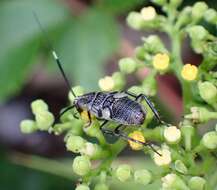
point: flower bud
(172, 181)
(201, 114)
(175, 3)
(44, 120)
(187, 133)
(189, 72)
(82, 187)
(211, 16)
(81, 165)
(119, 80)
(90, 149)
(197, 183)
(209, 140)
(123, 172)
(106, 84)
(198, 10)
(161, 61)
(180, 167)
(135, 89)
(154, 44)
(78, 90)
(136, 135)
(140, 53)
(184, 17)
(101, 186)
(197, 32)
(149, 85)
(164, 158)
(38, 106)
(127, 65)
(208, 92)
(172, 135)
(28, 126)
(148, 13)
(142, 176)
(75, 143)
(135, 20)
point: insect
(124, 107)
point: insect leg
(119, 133)
(106, 131)
(90, 120)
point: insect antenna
(55, 56)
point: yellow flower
(148, 13)
(137, 135)
(164, 158)
(161, 61)
(106, 84)
(189, 72)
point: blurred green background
(89, 37)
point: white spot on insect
(120, 95)
(106, 113)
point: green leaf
(18, 34)
(87, 44)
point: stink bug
(109, 106)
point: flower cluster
(185, 159)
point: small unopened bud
(38, 106)
(89, 149)
(197, 32)
(44, 120)
(82, 187)
(154, 44)
(81, 165)
(101, 186)
(184, 16)
(148, 13)
(175, 3)
(211, 16)
(208, 92)
(180, 167)
(123, 172)
(143, 177)
(127, 65)
(136, 135)
(172, 134)
(135, 20)
(164, 158)
(119, 80)
(28, 126)
(197, 183)
(198, 10)
(107, 83)
(149, 85)
(75, 143)
(209, 140)
(172, 181)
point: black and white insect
(124, 108)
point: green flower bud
(44, 120)
(123, 172)
(136, 90)
(211, 52)
(184, 17)
(201, 114)
(209, 140)
(180, 167)
(78, 90)
(175, 3)
(127, 65)
(38, 106)
(101, 186)
(159, 2)
(172, 134)
(140, 53)
(187, 132)
(211, 16)
(142, 177)
(198, 10)
(75, 143)
(119, 80)
(154, 44)
(208, 92)
(197, 183)
(82, 187)
(28, 126)
(172, 181)
(81, 165)
(135, 20)
(197, 32)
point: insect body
(112, 106)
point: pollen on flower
(164, 158)
(148, 13)
(172, 134)
(189, 72)
(161, 61)
(106, 84)
(137, 135)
